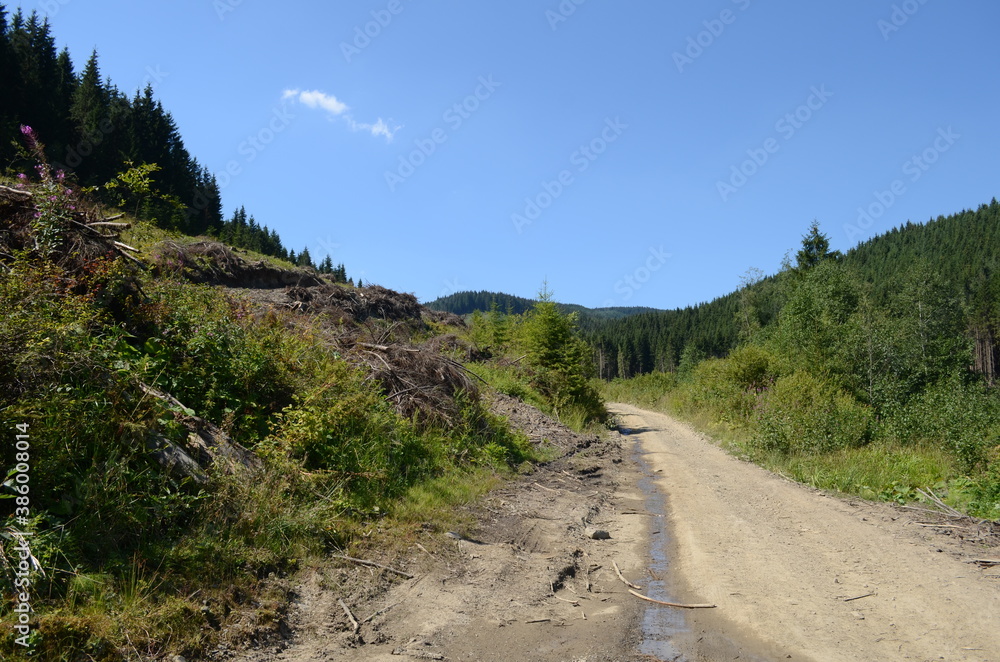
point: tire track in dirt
(787, 565)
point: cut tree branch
(670, 604)
(622, 577)
(354, 622)
(372, 564)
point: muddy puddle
(666, 632)
(660, 626)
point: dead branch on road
(575, 603)
(936, 500)
(379, 612)
(372, 564)
(866, 595)
(354, 622)
(622, 577)
(670, 604)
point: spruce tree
(90, 107)
(815, 249)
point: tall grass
(131, 552)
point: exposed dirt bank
(529, 579)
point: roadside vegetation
(878, 392)
(539, 357)
(321, 427)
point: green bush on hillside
(963, 417)
(806, 414)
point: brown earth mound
(359, 304)
(217, 264)
(422, 384)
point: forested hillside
(465, 303)
(93, 129)
(953, 258)
(127, 151)
(876, 376)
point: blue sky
(629, 153)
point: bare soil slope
(527, 580)
(798, 574)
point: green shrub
(751, 368)
(209, 352)
(986, 491)
(963, 417)
(643, 390)
(561, 361)
(804, 414)
(711, 388)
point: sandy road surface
(783, 562)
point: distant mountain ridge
(468, 302)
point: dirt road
(800, 575)
(795, 574)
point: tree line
(952, 260)
(126, 150)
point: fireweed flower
(29, 135)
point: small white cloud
(328, 102)
(320, 100)
(380, 128)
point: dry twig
(372, 564)
(622, 577)
(671, 604)
(354, 622)
(866, 595)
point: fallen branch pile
(86, 234)
(419, 383)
